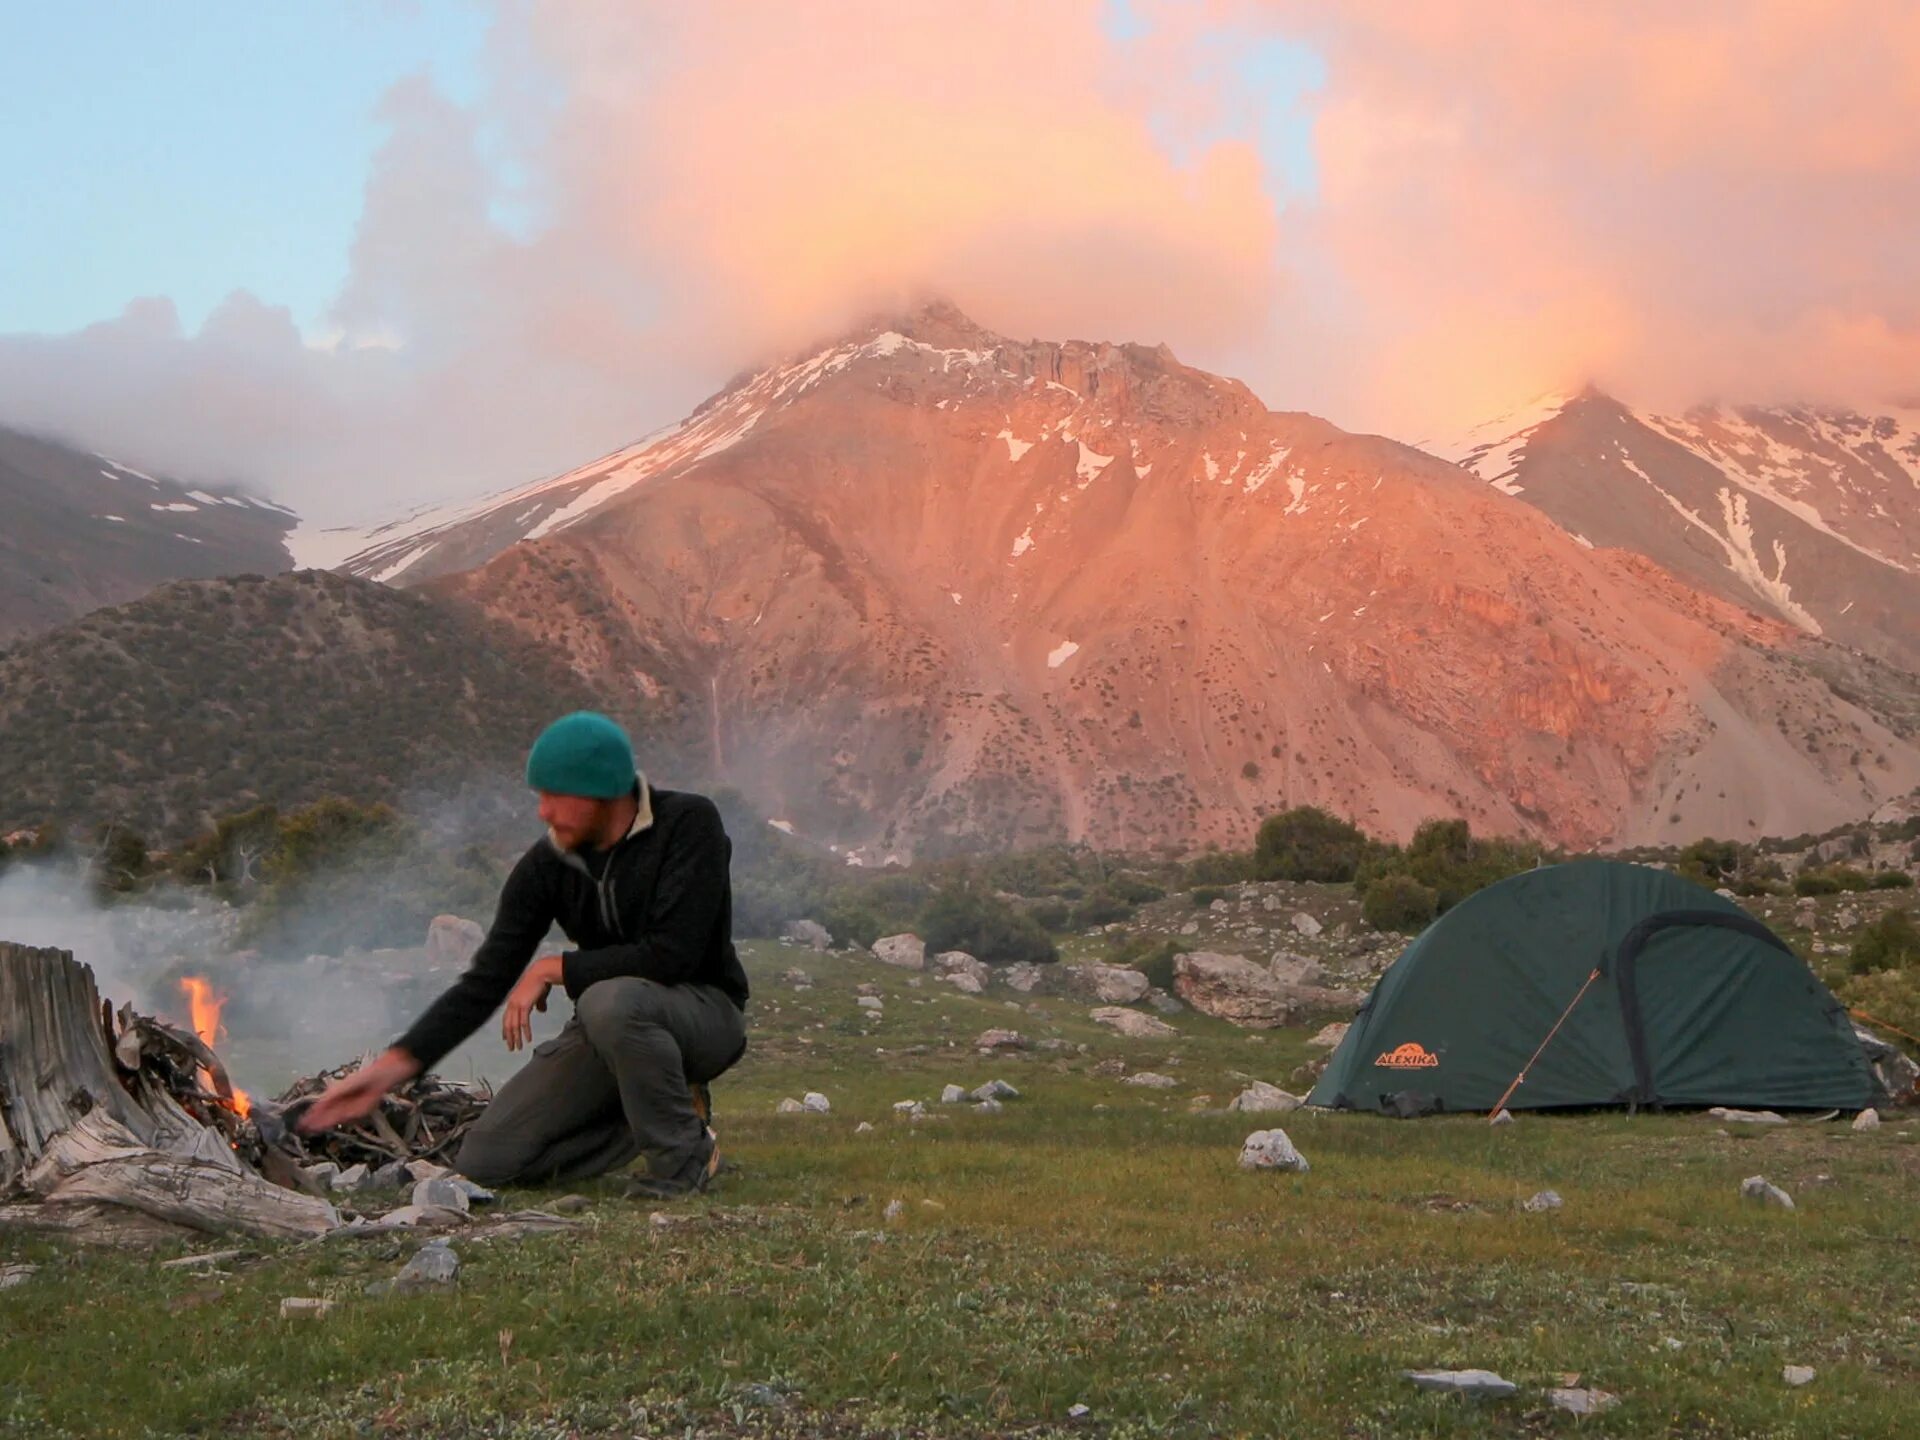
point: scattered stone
(1271, 1150)
(1261, 1097)
(808, 932)
(426, 1170)
(476, 1194)
(1461, 1382)
(351, 1178)
(1132, 1023)
(1023, 976)
(1108, 984)
(796, 977)
(1577, 1401)
(1233, 988)
(1747, 1117)
(788, 1106)
(966, 984)
(815, 1103)
(1192, 927)
(996, 1090)
(304, 1307)
(1329, 1035)
(451, 942)
(1306, 924)
(423, 1217)
(1867, 1120)
(434, 1266)
(1758, 1189)
(1672, 1344)
(570, 1204)
(1545, 1200)
(1163, 1002)
(1000, 1040)
(1503, 1116)
(1079, 1412)
(442, 1192)
(912, 1109)
(1152, 1079)
(952, 964)
(989, 1107)
(895, 1209)
(952, 1095)
(909, 952)
(865, 1127)
(870, 1002)
(390, 1176)
(1798, 1375)
(12, 1275)
(319, 1178)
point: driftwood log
(92, 1120)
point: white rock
(304, 1307)
(808, 932)
(995, 1090)
(1271, 1150)
(1328, 1037)
(1151, 1079)
(442, 1192)
(789, 1106)
(1867, 1120)
(1108, 984)
(1757, 1188)
(1545, 1200)
(952, 1095)
(816, 1103)
(895, 1209)
(865, 1127)
(1262, 1097)
(1502, 1117)
(989, 1107)
(1798, 1375)
(1079, 1412)
(965, 983)
(1023, 976)
(870, 1002)
(1000, 1040)
(351, 1178)
(909, 952)
(1132, 1023)
(12, 1275)
(1462, 1382)
(1582, 1401)
(1306, 924)
(1747, 1117)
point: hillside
(209, 696)
(83, 531)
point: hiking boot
(692, 1178)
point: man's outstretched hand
(529, 994)
(354, 1096)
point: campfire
(116, 1125)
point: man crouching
(638, 880)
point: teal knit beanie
(582, 754)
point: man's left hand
(529, 994)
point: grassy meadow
(1092, 1245)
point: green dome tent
(1663, 994)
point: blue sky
(189, 150)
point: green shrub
(1892, 880)
(1890, 943)
(1307, 843)
(1831, 880)
(1891, 997)
(1052, 915)
(984, 926)
(1206, 895)
(1101, 907)
(1445, 857)
(1220, 867)
(1399, 902)
(1815, 882)
(1152, 957)
(848, 919)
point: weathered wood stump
(87, 1131)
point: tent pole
(1521, 1078)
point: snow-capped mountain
(925, 585)
(1809, 515)
(82, 531)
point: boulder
(953, 1095)
(807, 932)
(451, 942)
(959, 962)
(1328, 1037)
(1000, 1040)
(1023, 976)
(1233, 988)
(1867, 1120)
(1133, 1023)
(1107, 984)
(434, 1266)
(995, 1090)
(1797, 1375)
(1271, 1150)
(1897, 1074)
(909, 952)
(1295, 970)
(1545, 1200)
(1151, 1080)
(1462, 1382)
(1163, 1002)
(1305, 924)
(814, 1103)
(441, 1192)
(1260, 1096)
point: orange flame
(205, 1007)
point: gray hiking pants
(610, 1086)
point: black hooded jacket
(658, 904)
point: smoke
(1679, 200)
